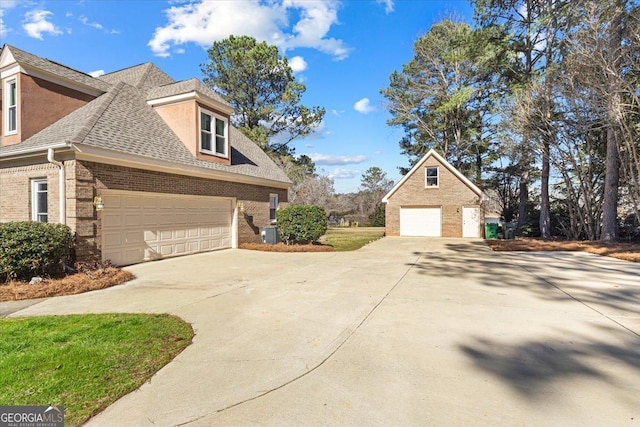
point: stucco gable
(432, 154)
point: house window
(39, 200)
(273, 207)
(11, 101)
(213, 134)
(431, 177)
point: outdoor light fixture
(241, 207)
(97, 202)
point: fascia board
(101, 155)
(33, 150)
(193, 95)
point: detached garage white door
(144, 226)
(425, 222)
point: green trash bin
(491, 230)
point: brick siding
(84, 180)
(451, 195)
(91, 178)
(15, 192)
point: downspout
(62, 190)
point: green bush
(30, 249)
(377, 217)
(301, 224)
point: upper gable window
(214, 131)
(11, 101)
(431, 177)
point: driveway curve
(406, 331)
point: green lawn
(351, 238)
(84, 362)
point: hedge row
(29, 249)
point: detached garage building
(434, 200)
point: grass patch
(281, 247)
(337, 239)
(84, 362)
(68, 285)
(351, 238)
(624, 251)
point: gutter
(62, 190)
(34, 149)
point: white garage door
(144, 226)
(420, 222)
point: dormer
(37, 92)
(198, 116)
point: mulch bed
(624, 251)
(69, 285)
(281, 247)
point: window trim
(213, 134)
(426, 177)
(34, 199)
(273, 207)
(7, 91)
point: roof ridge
(95, 117)
(126, 68)
(48, 60)
(147, 71)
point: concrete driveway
(402, 332)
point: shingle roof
(143, 76)
(122, 121)
(185, 86)
(26, 58)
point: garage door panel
(421, 222)
(150, 236)
(150, 226)
(132, 202)
(113, 239)
(111, 220)
(134, 237)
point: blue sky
(343, 51)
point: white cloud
(363, 106)
(204, 22)
(36, 24)
(336, 112)
(342, 173)
(333, 160)
(308, 145)
(388, 5)
(5, 5)
(298, 64)
(96, 25)
(96, 73)
(86, 22)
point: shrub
(30, 249)
(301, 224)
(377, 217)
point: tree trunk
(545, 211)
(523, 199)
(612, 175)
